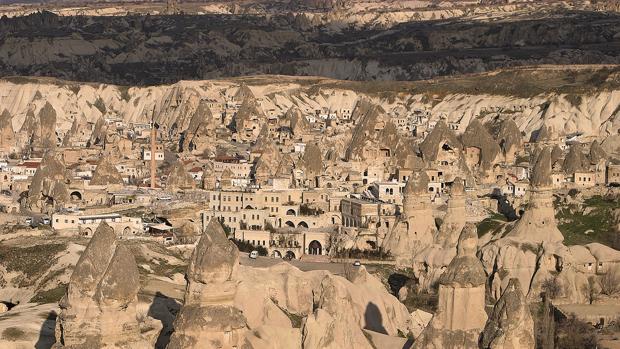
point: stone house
(584, 179)
(85, 225)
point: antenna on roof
(154, 128)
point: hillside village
(284, 177)
(302, 170)
(310, 174)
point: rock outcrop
(510, 325)
(49, 188)
(430, 263)
(575, 161)
(200, 133)
(373, 133)
(532, 250)
(487, 150)
(510, 139)
(556, 157)
(209, 179)
(345, 309)
(538, 222)
(8, 141)
(305, 43)
(106, 173)
(415, 228)
(268, 154)
(298, 123)
(42, 129)
(460, 315)
(455, 218)
(208, 318)
(286, 307)
(312, 161)
(441, 137)
(179, 179)
(597, 153)
(99, 308)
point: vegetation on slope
(593, 222)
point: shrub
(245, 246)
(573, 333)
(100, 105)
(124, 91)
(377, 254)
(551, 287)
(13, 334)
(305, 210)
(610, 282)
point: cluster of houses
(277, 185)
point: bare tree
(551, 287)
(591, 289)
(610, 282)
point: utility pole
(153, 148)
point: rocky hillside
(364, 41)
(568, 100)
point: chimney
(153, 160)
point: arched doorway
(290, 255)
(127, 231)
(86, 232)
(276, 254)
(315, 248)
(290, 212)
(76, 196)
(302, 224)
(290, 224)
